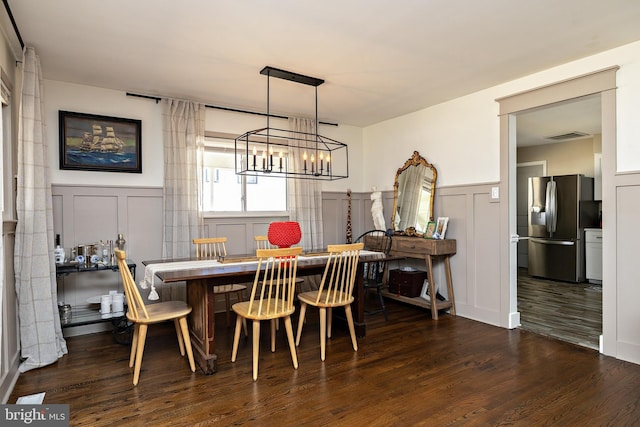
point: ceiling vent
(570, 135)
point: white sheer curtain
(305, 195)
(183, 134)
(41, 339)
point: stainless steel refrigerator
(560, 208)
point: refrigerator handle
(551, 206)
(552, 242)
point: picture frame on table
(424, 293)
(430, 230)
(91, 142)
(441, 227)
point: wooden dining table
(200, 283)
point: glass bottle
(59, 251)
(120, 242)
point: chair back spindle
(136, 305)
(210, 247)
(262, 242)
(273, 288)
(339, 275)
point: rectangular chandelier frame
(284, 153)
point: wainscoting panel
(485, 255)
(239, 231)
(93, 218)
(84, 214)
(332, 218)
(628, 290)
(144, 227)
(474, 223)
(334, 214)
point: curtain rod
(13, 22)
(235, 110)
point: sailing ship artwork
(99, 143)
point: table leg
(357, 307)
(447, 267)
(202, 324)
(432, 288)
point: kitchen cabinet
(593, 254)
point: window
(224, 191)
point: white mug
(118, 303)
(105, 304)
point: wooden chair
(215, 247)
(262, 242)
(142, 316)
(336, 290)
(271, 298)
(374, 271)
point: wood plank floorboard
(570, 312)
(409, 370)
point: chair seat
(223, 289)
(242, 309)
(310, 298)
(162, 311)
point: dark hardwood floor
(570, 312)
(410, 370)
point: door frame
(603, 82)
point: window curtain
(41, 339)
(305, 195)
(183, 135)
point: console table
(417, 247)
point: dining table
(202, 275)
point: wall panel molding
(474, 222)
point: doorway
(565, 138)
(602, 82)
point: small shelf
(427, 249)
(86, 315)
(417, 301)
(68, 268)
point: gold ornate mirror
(413, 193)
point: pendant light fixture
(284, 153)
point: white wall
(461, 137)
(456, 137)
(107, 102)
(92, 100)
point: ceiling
(575, 116)
(379, 59)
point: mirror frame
(415, 160)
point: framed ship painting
(99, 143)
